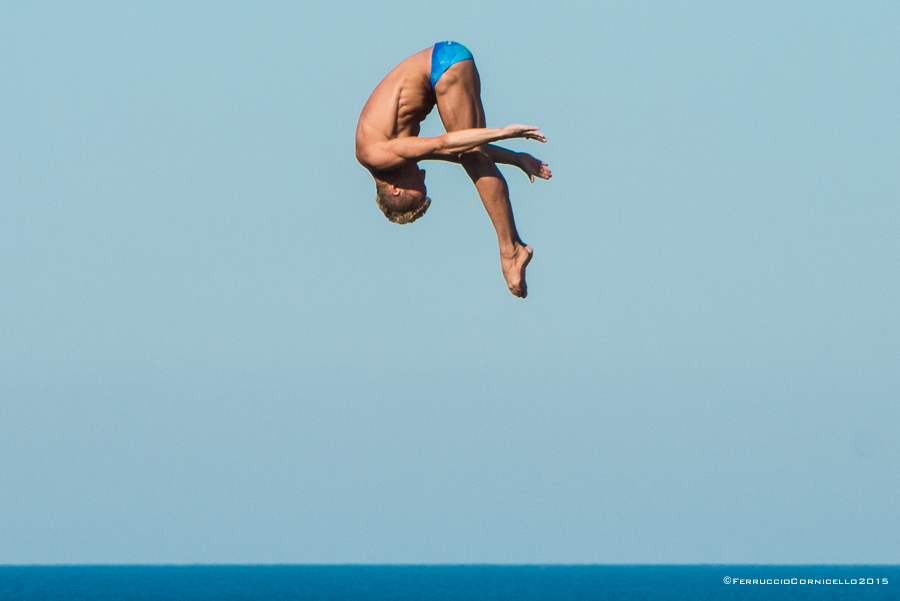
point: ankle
(510, 249)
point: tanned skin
(389, 146)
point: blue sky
(213, 348)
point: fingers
(530, 132)
(534, 168)
(536, 134)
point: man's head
(401, 195)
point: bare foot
(514, 269)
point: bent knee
(477, 162)
(474, 157)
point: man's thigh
(458, 93)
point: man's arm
(467, 139)
(391, 154)
(498, 154)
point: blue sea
(444, 582)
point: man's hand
(532, 166)
(524, 131)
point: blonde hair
(385, 201)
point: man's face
(411, 184)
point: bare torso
(398, 105)
(389, 146)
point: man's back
(398, 105)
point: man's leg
(458, 94)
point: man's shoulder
(364, 157)
(371, 154)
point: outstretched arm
(466, 139)
(393, 153)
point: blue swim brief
(444, 55)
